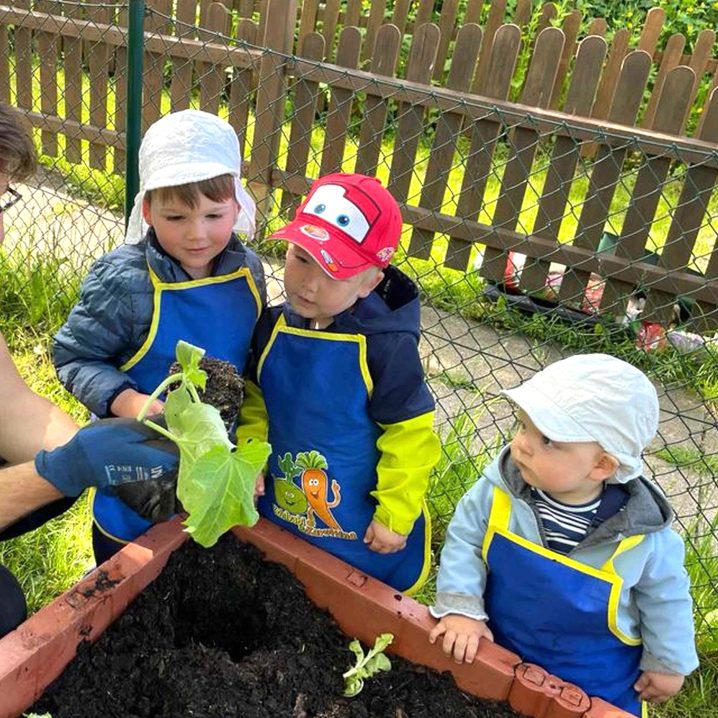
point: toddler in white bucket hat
(563, 552)
(185, 275)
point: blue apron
(217, 314)
(559, 613)
(316, 386)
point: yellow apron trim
(498, 518)
(613, 600)
(359, 339)
(626, 545)
(426, 568)
(498, 524)
(260, 364)
(188, 284)
(160, 287)
(99, 528)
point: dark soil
(224, 389)
(223, 633)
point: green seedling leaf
(199, 428)
(366, 665)
(378, 663)
(219, 487)
(353, 686)
(189, 357)
(176, 402)
(216, 479)
(357, 650)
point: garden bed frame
(35, 654)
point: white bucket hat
(189, 146)
(594, 397)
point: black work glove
(154, 500)
(120, 456)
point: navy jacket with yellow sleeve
(398, 403)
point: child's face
(314, 295)
(572, 472)
(193, 236)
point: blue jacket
(112, 318)
(654, 602)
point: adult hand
(109, 454)
(461, 636)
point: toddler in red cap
(338, 387)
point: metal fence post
(135, 43)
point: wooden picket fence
(581, 112)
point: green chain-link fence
(532, 234)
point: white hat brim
(549, 418)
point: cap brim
(333, 254)
(552, 421)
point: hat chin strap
(246, 222)
(134, 232)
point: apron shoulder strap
(498, 518)
(500, 509)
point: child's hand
(259, 485)
(383, 540)
(658, 687)
(461, 636)
(129, 403)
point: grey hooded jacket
(654, 603)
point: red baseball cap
(348, 223)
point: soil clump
(224, 389)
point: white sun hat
(189, 146)
(594, 397)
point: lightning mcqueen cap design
(348, 223)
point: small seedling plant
(216, 478)
(366, 665)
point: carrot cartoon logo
(303, 504)
(315, 484)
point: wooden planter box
(35, 654)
